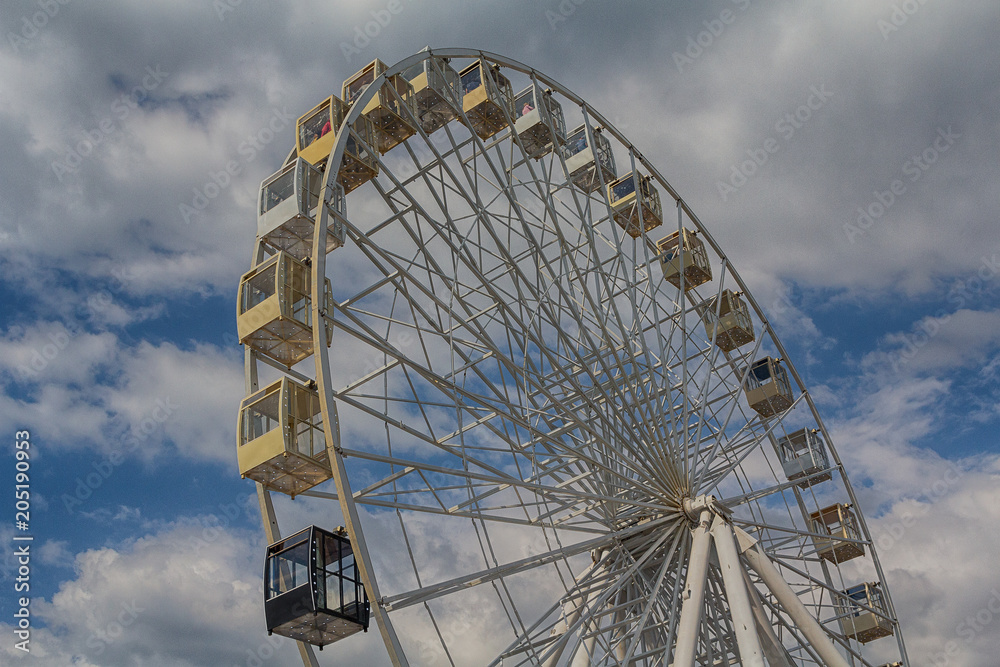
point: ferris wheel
(556, 426)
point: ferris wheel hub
(693, 507)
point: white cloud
(156, 393)
(788, 220)
(189, 392)
(51, 352)
(939, 343)
(55, 552)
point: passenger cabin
(685, 253)
(767, 388)
(538, 121)
(864, 616)
(392, 110)
(274, 310)
(487, 98)
(289, 204)
(841, 538)
(281, 441)
(589, 161)
(437, 91)
(635, 204)
(803, 455)
(312, 590)
(727, 318)
(316, 134)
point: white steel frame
(537, 382)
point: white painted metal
(571, 615)
(693, 600)
(775, 653)
(510, 364)
(804, 621)
(585, 653)
(737, 594)
(331, 422)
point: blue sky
(117, 333)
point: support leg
(694, 594)
(571, 616)
(737, 595)
(584, 652)
(775, 653)
(804, 621)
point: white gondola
(590, 163)
(803, 455)
(289, 203)
(538, 121)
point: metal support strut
(730, 542)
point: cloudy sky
(844, 153)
